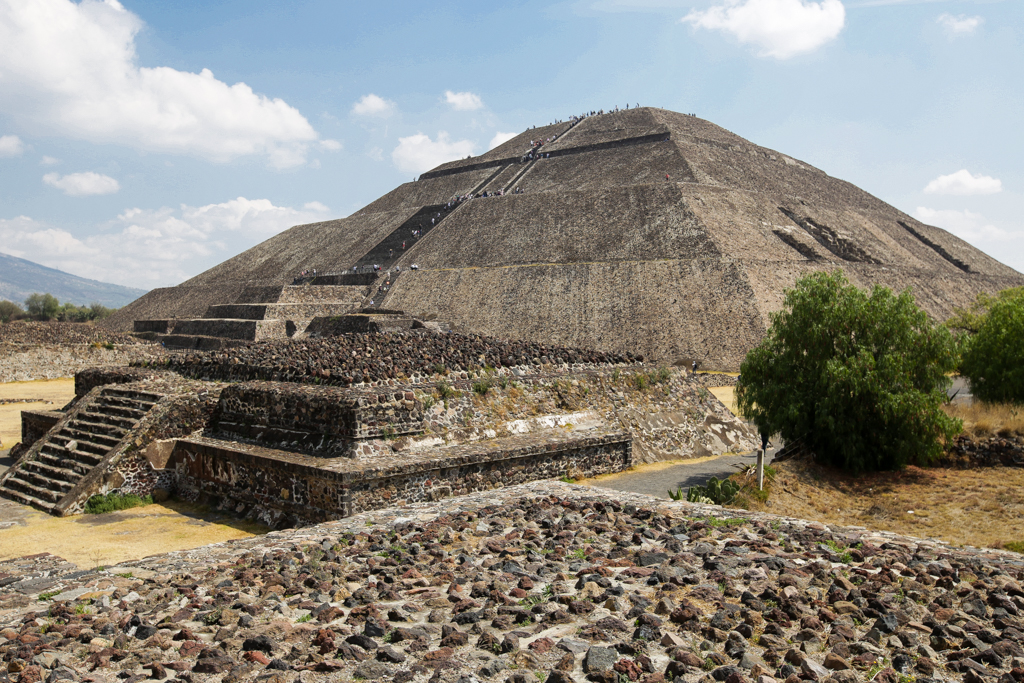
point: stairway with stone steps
(260, 313)
(53, 467)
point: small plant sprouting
(304, 618)
(48, 595)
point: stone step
(116, 431)
(132, 414)
(133, 403)
(80, 433)
(135, 394)
(74, 443)
(198, 342)
(89, 459)
(26, 499)
(123, 422)
(36, 478)
(303, 311)
(57, 462)
(16, 483)
(60, 474)
(232, 328)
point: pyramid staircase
(55, 465)
(259, 313)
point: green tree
(971, 319)
(993, 359)
(42, 305)
(9, 310)
(859, 378)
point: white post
(760, 469)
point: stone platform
(284, 489)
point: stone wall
(36, 423)
(286, 489)
(992, 451)
(314, 419)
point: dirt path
(48, 394)
(99, 540)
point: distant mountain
(19, 278)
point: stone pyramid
(642, 230)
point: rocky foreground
(546, 581)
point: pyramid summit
(639, 230)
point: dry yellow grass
(101, 540)
(52, 394)
(981, 507)
(988, 419)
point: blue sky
(142, 143)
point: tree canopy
(860, 378)
(993, 358)
(970, 319)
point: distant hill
(19, 278)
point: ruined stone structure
(293, 433)
(641, 230)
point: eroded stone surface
(544, 581)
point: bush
(43, 306)
(992, 357)
(972, 318)
(859, 378)
(9, 311)
(115, 501)
(717, 491)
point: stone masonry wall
(314, 419)
(281, 489)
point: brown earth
(96, 540)
(47, 394)
(980, 507)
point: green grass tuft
(115, 501)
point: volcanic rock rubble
(548, 581)
(357, 358)
(48, 350)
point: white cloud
(83, 184)
(418, 153)
(71, 69)
(500, 139)
(777, 28)
(330, 145)
(967, 225)
(11, 146)
(463, 101)
(963, 183)
(155, 248)
(375, 153)
(373, 105)
(961, 24)
(49, 161)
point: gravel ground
(546, 581)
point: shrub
(971, 319)
(717, 491)
(115, 501)
(992, 357)
(9, 311)
(860, 378)
(44, 306)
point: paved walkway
(657, 479)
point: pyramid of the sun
(641, 230)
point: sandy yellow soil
(101, 540)
(727, 395)
(50, 394)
